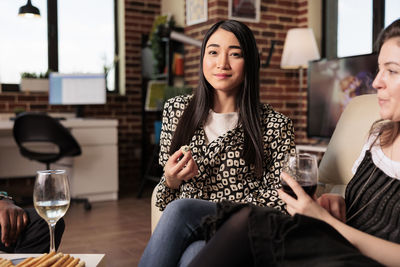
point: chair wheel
(88, 206)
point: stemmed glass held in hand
(51, 198)
(303, 168)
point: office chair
(34, 128)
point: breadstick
(81, 264)
(61, 261)
(26, 261)
(185, 149)
(51, 260)
(73, 263)
(67, 262)
(31, 262)
(43, 258)
(5, 263)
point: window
(352, 26)
(86, 43)
(354, 30)
(23, 45)
(392, 11)
(86, 39)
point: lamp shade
(29, 10)
(299, 48)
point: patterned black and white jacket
(223, 174)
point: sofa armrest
(351, 132)
(339, 189)
(155, 211)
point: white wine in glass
(51, 198)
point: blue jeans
(176, 234)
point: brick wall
(278, 87)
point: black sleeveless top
(376, 198)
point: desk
(93, 175)
(91, 260)
(311, 148)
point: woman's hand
(304, 204)
(177, 170)
(334, 204)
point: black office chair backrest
(39, 127)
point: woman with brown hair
(361, 230)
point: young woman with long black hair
(236, 144)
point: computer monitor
(77, 89)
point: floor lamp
(299, 48)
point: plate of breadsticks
(51, 259)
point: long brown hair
(387, 130)
(247, 100)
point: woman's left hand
(304, 204)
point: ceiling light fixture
(29, 11)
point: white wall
(175, 8)
(315, 19)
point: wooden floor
(120, 229)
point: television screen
(77, 89)
(331, 85)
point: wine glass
(51, 198)
(303, 168)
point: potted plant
(32, 82)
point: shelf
(160, 76)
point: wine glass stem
(52, 227)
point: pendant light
(29, 11)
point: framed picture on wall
(244, 10)
(155, 95)
(196, 11)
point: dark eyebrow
(391, 63)
(231, 46)
(235, 47)
(213, 45)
